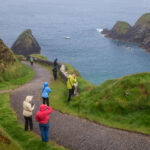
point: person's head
(45, 84)
(43, 107)
(29, 98)
(74, 75)
(55, 60)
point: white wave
(99, 30)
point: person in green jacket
(70, 85)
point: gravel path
(73, 132)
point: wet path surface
(73, 132)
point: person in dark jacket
(55, 73)
(45, 93)
(55, 69)
(42, 116)
(55, 63)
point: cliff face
(6, 56)
(26, 44)
(139, 33)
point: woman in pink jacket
(42, 116)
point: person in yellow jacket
(70, 85)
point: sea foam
(99, 30)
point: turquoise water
(97, 58)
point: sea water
(96, 58)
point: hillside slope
(12, 72)
(120, 103)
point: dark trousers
(28, 122)
(55, 75)
(31, 63)
(44, 128)
(71, 91)
(46, 100)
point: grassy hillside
(121, 27)
(12, 72)
(121, 103)
(144, 20)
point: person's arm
(73, 80)
(49, 110)
(30, 108)
(48, 90)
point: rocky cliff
(6, 56)
(139, 33)
(26, 44)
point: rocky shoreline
(139, 33)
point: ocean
(96, 58)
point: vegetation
(6, 142)
(120, 103)
(84, 85)
(20, 57)
(39, 56)
(12, 72)
(144, 20)
(121, 27)
(16, 137)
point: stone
(26, 44)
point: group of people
(42, 116)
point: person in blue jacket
(45, 93)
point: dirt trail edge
(73, 132)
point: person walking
(70, 85)
(27, 112)
(55, 73)
(42, 116)
(31, 60)
(55, 69)
(55, 63)
(45, 93)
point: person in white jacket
(27, 112)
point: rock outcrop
(6, 56)
(139, 33)
(26, 44)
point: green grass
(15, 132)
(39, 56)
(144, 20)
(6, 143)
(121, 27)
(15, 75)
(121, 103)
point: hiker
(45, 93)
(31, 60)
(55, 63)
(70, 85)
(42, 116)
(55, 73)
(27, 112)
(55, 69)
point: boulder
(26, 44)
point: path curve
(73, 132)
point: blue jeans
(44, 131)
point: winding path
(73, 132)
